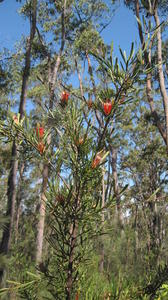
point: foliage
(105, 216)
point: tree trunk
(147, 57)
(11, 192)
(116, 188)
(136, 234)
(101, 263)
(160, 72)
(18, 201)
(71, 259)
(42, 208)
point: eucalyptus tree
(11, 192)
(146, 12)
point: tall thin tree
(11, 191)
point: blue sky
(12, 25)
(122, 30)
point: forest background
(83, 149)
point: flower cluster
(64, 97)
(98, 159)
(40, 135)
(107, 106)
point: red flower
(41, 147)
(96, 161)
(77, 296)
(64, 96)
(107, 107)
(89, 103)
(15, 119)
(40, 132)
(79, 142)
